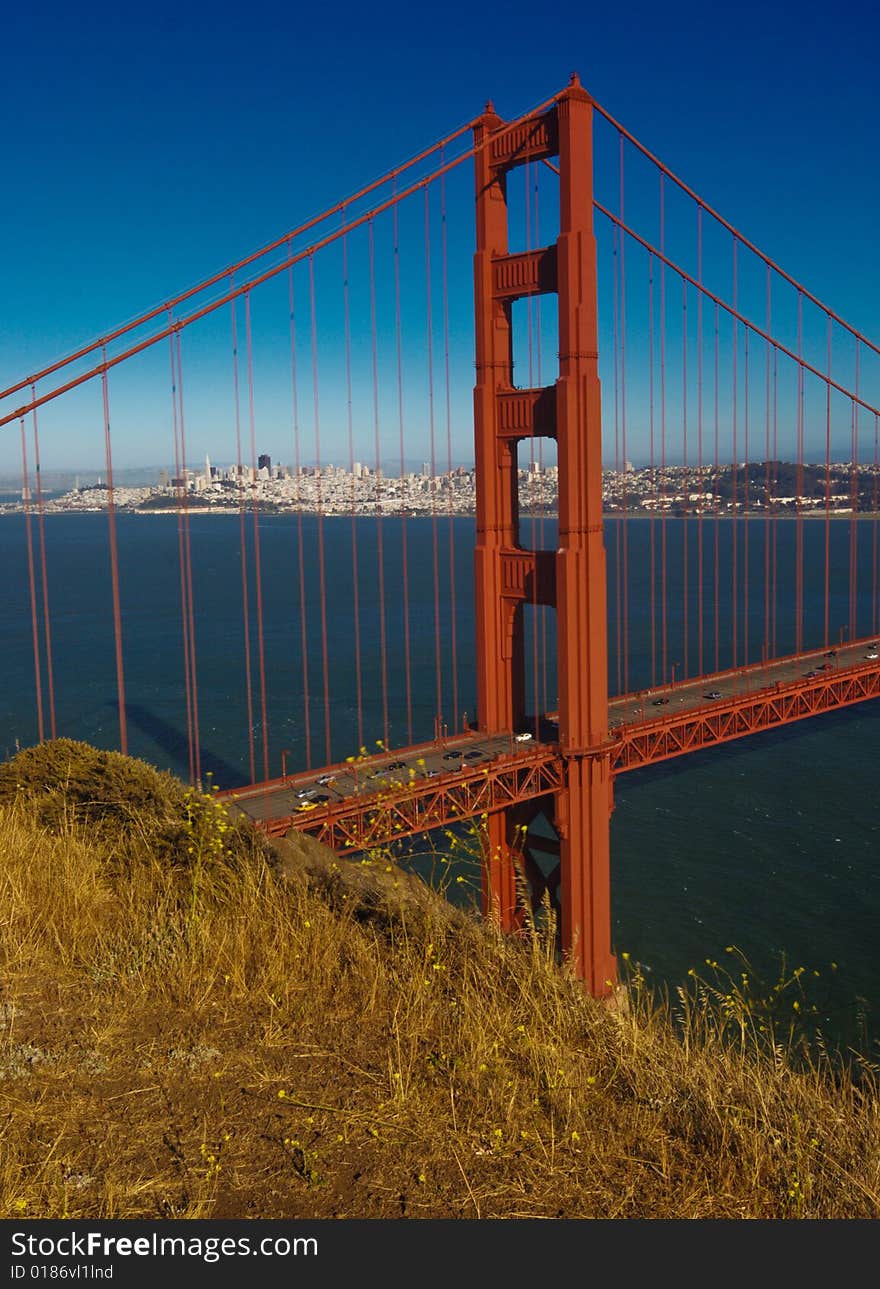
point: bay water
(769, 845)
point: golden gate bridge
(647, 323)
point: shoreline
(706, 515)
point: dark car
(396, 765)
(660, 702)
(810, 674)
(832, 653)
(475, 755)
(713, 694)
(451, 756)
(320, 798)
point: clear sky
(145, 147)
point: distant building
(264, 462)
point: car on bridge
(525, 737)
(396, 765)
(660, 702)
(713, 694)
(872, 654)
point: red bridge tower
(572, 578)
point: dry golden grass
(211, 1034)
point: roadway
(651, 704)
(358, 786)
(369, 777)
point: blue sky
(144, 150)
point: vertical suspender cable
(355, 582)
(775, 560)
(26, 499)
(684, 457)
(322, 570)
(701, 486)
(799, 487)
(651, 521)
(854, 515)
(827, 595)
(853, 502)
(258, 576)
(623, 428)
(242, 538)
(297, 470)
(430, 347)
(767, 477)
(114, 564)
(449, 495)
(191, 634)
(717, 491)
(734, 500)
(875, 608)
(615, 347)
(745, 657)
(407, 660)
(47, 629)
(180, 494)
(380, 537)
(664, 672)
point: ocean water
(770, 844)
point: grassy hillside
(196, 1023)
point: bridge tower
(572, 578)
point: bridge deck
(398, 793)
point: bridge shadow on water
(174, 743)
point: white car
(872, 655)
(523, 738)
